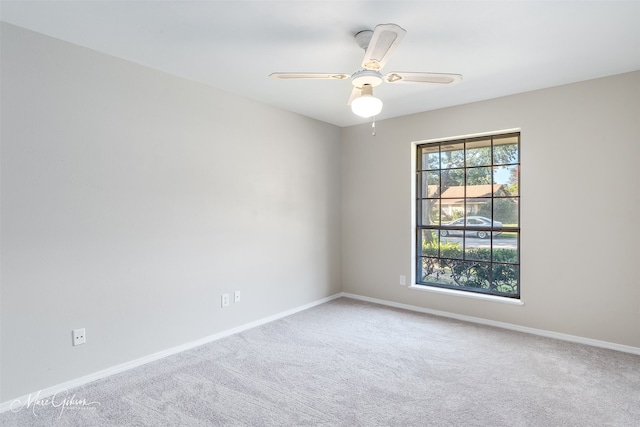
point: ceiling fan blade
(288, 76)
(383, 42)
(356, 92)
(433, 78)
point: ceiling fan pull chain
(373, 126)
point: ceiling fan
(379, 45)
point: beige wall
(131, 200)
(580, 204)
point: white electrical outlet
(225, 300)
(79, 336)
(403, 280)
(236, 296)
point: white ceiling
(500, 47)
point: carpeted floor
(350, 363)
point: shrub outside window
(468, 214)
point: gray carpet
(350, 363)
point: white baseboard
(504, 325)
(19, 402)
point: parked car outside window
(471, 221)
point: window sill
(465, 294)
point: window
(468, 214)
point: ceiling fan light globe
(366, 106)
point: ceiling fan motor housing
(366, 77)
